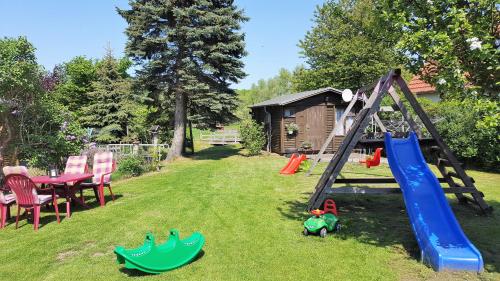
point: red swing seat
(372, 161)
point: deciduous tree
(460, 39)
(19, 85)
(349, 46)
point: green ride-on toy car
(323, 221)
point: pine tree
(110, 103)
(189, 52)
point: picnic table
(68, 184)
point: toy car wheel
(305, 232)
(323, 232)
(338, 227)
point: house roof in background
(290, 98)
(418, 86)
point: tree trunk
(5, 141)
(179, 126)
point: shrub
(471, 128)
(252, 136)
(131, 165)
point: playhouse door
(315, 126)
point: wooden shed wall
(289, 141)
(325, 103)
(276, 133)
(308, 112)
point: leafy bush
(471, 128)
(252, 136)
(52, 134)
(131, 165)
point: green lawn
(252, 220)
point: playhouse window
(289, 112)
(340, 128)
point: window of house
(348, 123)
(289, 112)
(342, 129)
(339, 111)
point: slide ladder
(442, 242)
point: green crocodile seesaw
(155, 259)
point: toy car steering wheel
(317, 212)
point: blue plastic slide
(442, 242)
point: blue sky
(62, 29)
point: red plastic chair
(373, 161)
(27, 197)
(76, 165)
(7, 170)
(103, 167)
(8, 199)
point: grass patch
(252, 220)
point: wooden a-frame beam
(340, 158)
(384, 85)
(331, 136)
(467, 181)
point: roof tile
(419, 86)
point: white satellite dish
(347, 95)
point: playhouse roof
(290, 98)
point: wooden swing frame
(447, 163)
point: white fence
(148, 151)
(221, 137)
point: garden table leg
(68, 201)
(80, 201)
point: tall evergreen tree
(110, 104)
(189, 52)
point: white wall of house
(432, 96)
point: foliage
(18, 87)
(350, 46)
(306, 145)
(43, 130)
(252, 136)
(18, 72)
(278, 85)
(457, 43)
(111, 104)
(471, 128)
(292, 127)
(132, 166)
(188, 52)
(51, 134)
(76, 79)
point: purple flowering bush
(54, 135)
